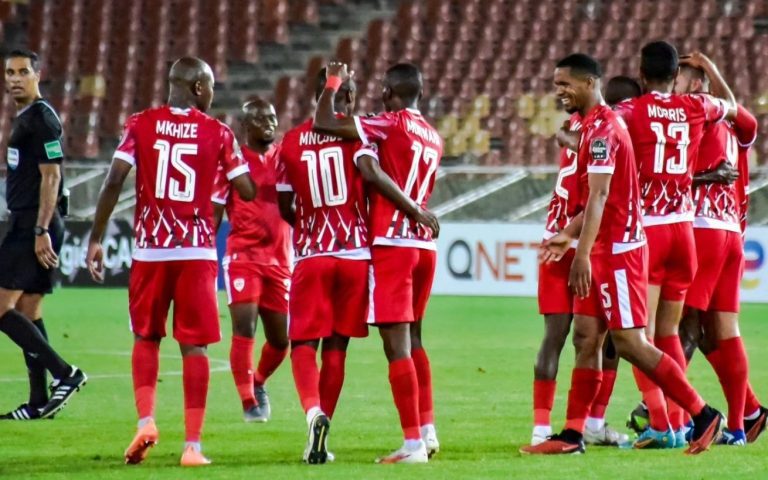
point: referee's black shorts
(19, 267)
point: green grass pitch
(482, 351)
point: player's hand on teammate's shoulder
(95, 261)
(44, 251)
(567, 138)
(338, 69)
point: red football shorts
(672, 258)
(556, 297)
(264, 285)
(721, 265)
(402, 282)
(190, 285)
(328, 295)
(621, 282)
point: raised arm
(717, 85)
(325, 120)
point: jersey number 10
(173, 155)
(676, 164)
(330, 164)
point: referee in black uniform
(29, 251)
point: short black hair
(659, 61)
(581, 64)
(320, 80)
(34, 59)
(405, 81)
(620, 88)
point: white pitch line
(222, 366)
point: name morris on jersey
(671, 114)
(178, 130)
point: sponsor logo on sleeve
(13, 158)
(53, 150)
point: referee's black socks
(38, 381)
(24, 333)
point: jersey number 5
(330, 163)
(676, 164)
(166, 153)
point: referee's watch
(39, 231)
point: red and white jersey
(258, 232)
(409, 151)
(716, 203)
(331, 210)
(178, 154)
(666, 130)
(744, 127)
(606, 147)
(565, 203)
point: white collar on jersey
(663, 94)
(413, 110)
(180, 111)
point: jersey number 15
(173, 155)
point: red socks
(405, 390)
(145, 363)
(543, 399)
(271, 358)
(241, 363)
(424, 376)
(752, 404)
(331, 379)
(671, 346)
(306, 376)
(654, 401)
(670, 378)
(196, 378)
(731, 366)
(600, 405)
(585, 383)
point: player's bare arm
(553, 249)
(581, 270)
(718, 86)
(110, 192)
(244, 185)
(724, 174)
(285, 202)
(49, 188)
(372, 173)
(325, 117)
(218, 215)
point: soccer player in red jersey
(321, 195)
(257, 268)
(610, 263)
(403, 249)
(178, 151)
(714, 293)
(556, 298)
(666, 130)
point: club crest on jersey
(239, 284)
(599, 149)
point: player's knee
(586, 342)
